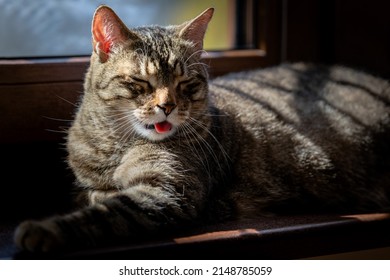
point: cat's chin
(154, 134)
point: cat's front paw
(37, 237)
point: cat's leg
(53, 233)
(98, 196)
(37, 236)
(137, 211)
(46, 233)
(153, 193)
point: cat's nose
(167, 107)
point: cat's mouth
(161, 127)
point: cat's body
(154, 145)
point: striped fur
(155, 146)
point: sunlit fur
(290, 138)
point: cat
(156, 145)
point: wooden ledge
(279, 237)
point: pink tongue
(163, 127)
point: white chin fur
(152, 134)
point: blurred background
(42, 28)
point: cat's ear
(195, 29)
(108, 30)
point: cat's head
(151, 78)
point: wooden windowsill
(285, 237)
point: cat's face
(150, 78)
(152, 92)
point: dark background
(352, 32)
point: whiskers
(67, 101)
(121, 122)
(196, 62)
(65, 123)
(61, 129)
(194, 53)
(202, 142)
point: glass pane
(45, 28)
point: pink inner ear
(101, 39)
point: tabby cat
(155, 145)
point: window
(61, 28)
(58, 28)
(42, 28)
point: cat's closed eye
(188, 87)
(141, 81)
(137, 86)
